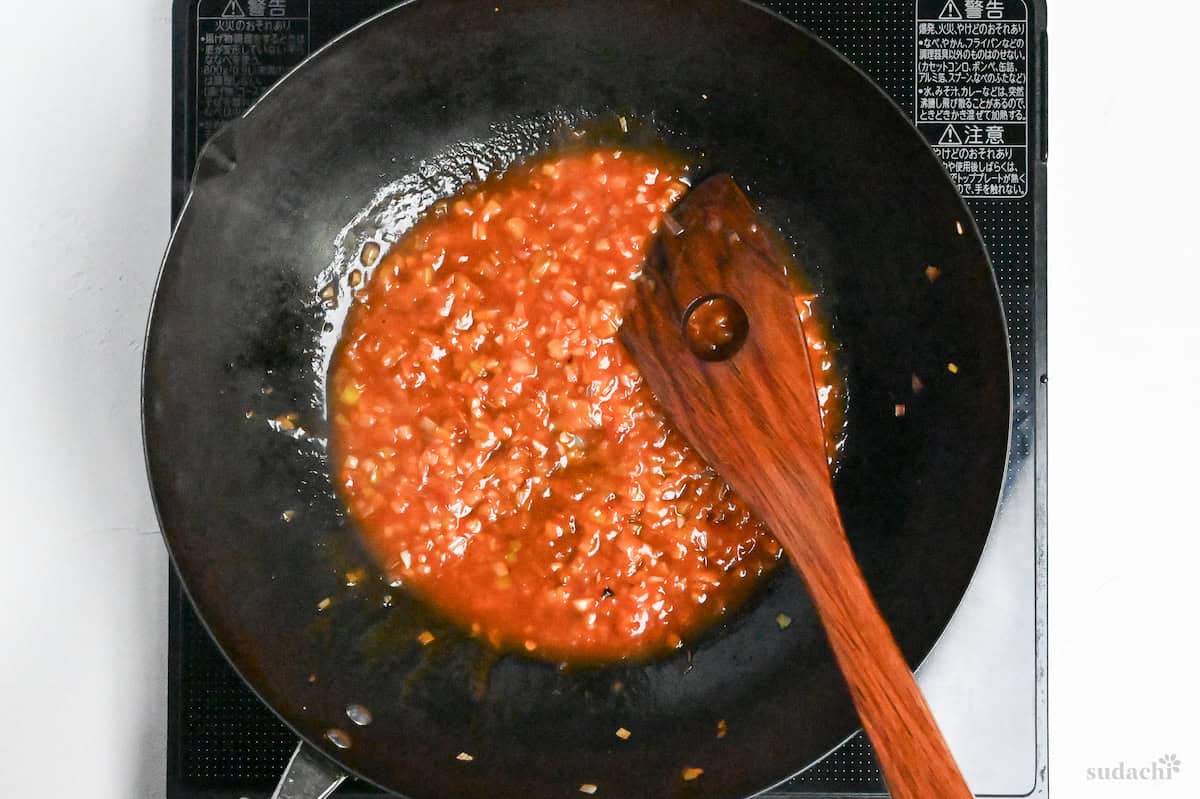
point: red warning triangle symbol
(950, 11)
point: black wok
(411, 106)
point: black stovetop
(222, 741)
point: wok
(408, 108)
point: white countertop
(84, 178)
(84, 215)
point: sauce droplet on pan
(338, 738)
(359, 715)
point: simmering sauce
(495, 443)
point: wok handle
(915, 760)
(309, 775)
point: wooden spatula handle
(914, 757)
(753, 414)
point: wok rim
(970, 224)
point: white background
(84, 165)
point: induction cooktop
(972, 75)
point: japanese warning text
(242, 48)
(972, 92)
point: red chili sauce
(495, 443)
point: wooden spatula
(715, 331)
